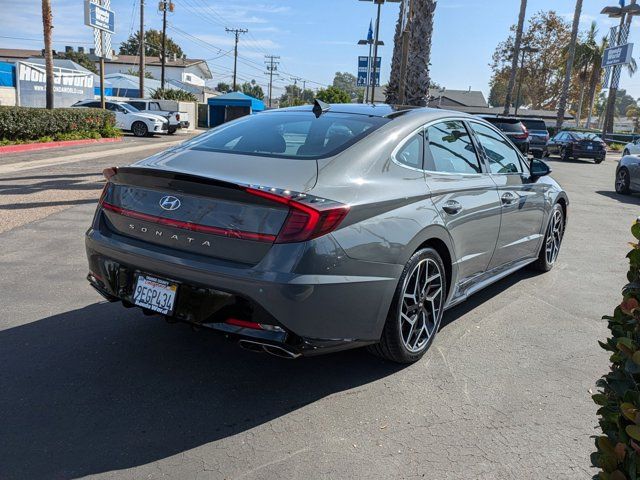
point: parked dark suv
(538, 136)
(514, 129)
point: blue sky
(314, 38)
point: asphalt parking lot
(92, 389)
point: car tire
(140, 129)
(552, 242)
(172, 130)
(418, 302)
(623, 181)
(599, 160)
(564, 155)
(537, 154)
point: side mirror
(539, 168)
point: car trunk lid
(191, 213)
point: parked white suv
(176, 119)
(131, 119)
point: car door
(464, 194)
(120, 117)
(552, 147)
(523, 200)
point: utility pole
(163, 60)
(272, 67)
(295, 84)
(375, 52)
(47, 24)
(236, 32)
(142, 52)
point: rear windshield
(506, 125)
(289, 134)
(535, 125)
(586, 136)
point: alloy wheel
(421, 306)
(139, 129)
(621, 180)
(554, 236)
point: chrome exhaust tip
(275, 350)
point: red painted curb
(26, 147)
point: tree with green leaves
(333, 94)
(252, 89)
(152, 45)
(80, 58)
(223, 87)
(136, 73)
(543, 71)
(349, 83)
(173, 94)
(291, 97)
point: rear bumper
(588, 153)
(321, 302)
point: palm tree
(586, 54)
(596, 77)
(516, 54)
(417, 78)
(392, 91)
(47, 24)
(562, 104)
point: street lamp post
(523, 50)
(375, 43)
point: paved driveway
(92, 389)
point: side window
(111, 106)
(138, 105)
(449, 148)
(411, 152)
(502, 157)
(92, 105)
(154, 106)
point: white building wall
(8, 96)
(171, 73)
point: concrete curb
(25, 147)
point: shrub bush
(618, 450)
(24, 123)
(173, 94)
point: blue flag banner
(370, 34)
(621, 3)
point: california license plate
(155, 294)
(589, 147)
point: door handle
(508, 198)
(452, 207)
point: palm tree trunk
(516, 54)
(418, 79)
(392, 91)
(562, 105)
(47, 24)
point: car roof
(501, 118)
(369, 109)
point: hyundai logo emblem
(170, 203)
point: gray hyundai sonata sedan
(314, 229)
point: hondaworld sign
(69, 86)
(99, 17)
(620, 55)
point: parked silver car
(307, 230)
(628, 174)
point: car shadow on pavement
(633, 199)
(102, 388)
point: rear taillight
(309, 217)
(108, 173)
(524, 135)
(178, 117)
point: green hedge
(24, 123)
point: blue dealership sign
(363, 71)
(619, 55)
(99, 17)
